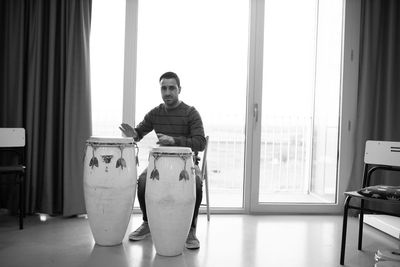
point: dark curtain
(378, 107)
(45, 88)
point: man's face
(170, 92)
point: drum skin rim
(168, 150)
(98, 140)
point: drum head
(110, 140)
(172, 150)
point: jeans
(141, 189)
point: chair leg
(207, 195)
(21, 201)
(360, 226)
(208, 201)
(344, 229)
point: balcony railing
(285, 157)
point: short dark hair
(171, 75)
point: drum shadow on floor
(108, 256)
(175, 261)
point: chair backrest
(12, 137)
(204, 160)
(382, 153)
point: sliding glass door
(295, 166)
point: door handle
(255, 112)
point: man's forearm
(196, 143)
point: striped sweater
(183, 123)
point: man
(176, 124)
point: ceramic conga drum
(170, 197)
(109, 187)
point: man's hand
(128, 131)
(165, 140)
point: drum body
(109, 187)
(170, 198)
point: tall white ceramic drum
(170, 197)
(109, 187)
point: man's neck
(174, 106)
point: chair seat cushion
(381, 192)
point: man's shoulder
(190, 111)
(187, 107)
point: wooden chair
(204, 177)
(12, 143)
(379, 155)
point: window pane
(107, 65)
(327, 99)
(210, 56)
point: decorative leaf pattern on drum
(184, 175)
(154, 173)
(93, 161)
(121, 161)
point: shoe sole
(138, 238)
(192, 246)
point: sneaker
(141, 233)
(192, 242)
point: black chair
(12, 144)
(379, 155)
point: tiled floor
(227, 240)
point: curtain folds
(378, 106)
(45, 88)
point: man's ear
(179, 90)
